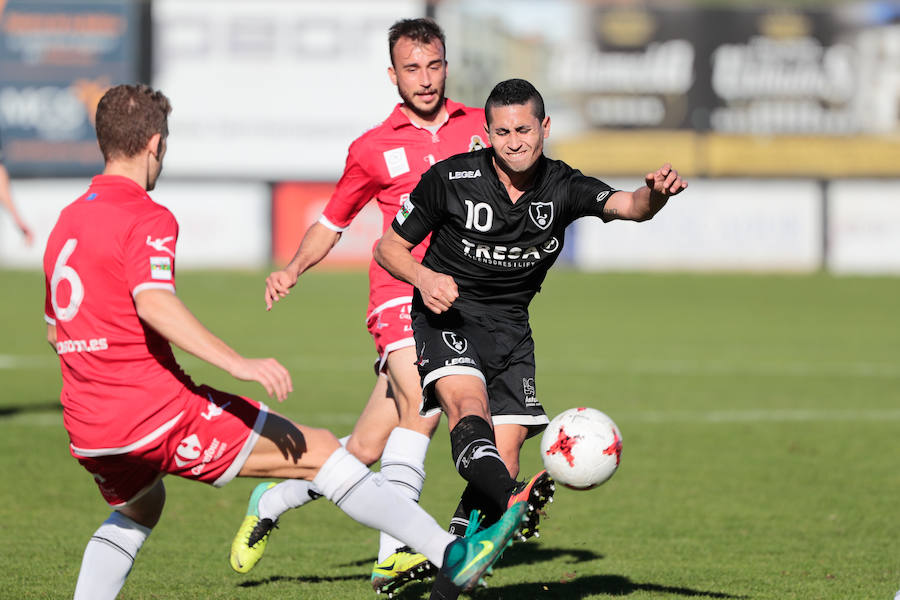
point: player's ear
(545, 125)
(392, 74)
(154, 145)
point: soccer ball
(581, 448)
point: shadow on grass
(43, 407)
(571, 587)
(518, 554)
(302, 579)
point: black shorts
(498, 351)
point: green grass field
(760, 415)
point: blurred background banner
(272, 89)
(57, 58)
(297, 205)
(785, 119)
(720, 92)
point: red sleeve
(150, 253)
(354, 190)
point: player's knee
(365, 452)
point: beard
(423, 112)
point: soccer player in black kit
(497, 218)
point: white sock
(108, 557)
(370, 499)
(403, 464)
(291, 493)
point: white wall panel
(756, 225)
(864, 227)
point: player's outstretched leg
(536, 492)
(250, 542)
(467, 559)
(401, 567)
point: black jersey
(497, 251)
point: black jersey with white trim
(497, 251)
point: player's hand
(27, 234)
(278, 285)
(438, 291)
(268, 372)
(665, 181)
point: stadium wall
(771, 225)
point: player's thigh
(406, 390)
(288, 450)
(374, 425)
(510, 438)
(462, 395)
(147, 509)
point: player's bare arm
(316, 244)
(6, 200)
(167, 314)
(438, 290)
(643, 203)
(51, 336)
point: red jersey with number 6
(386, 163)
(118, 373)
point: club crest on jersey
(476, 143)
(454, 342)
(541, 213)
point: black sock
(443, 588)
(472, 499)
(478, 460)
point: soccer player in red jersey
(133, 415)
(385, 164)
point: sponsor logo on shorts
(455, 342)
(530, 392)
(459, 360)
(213, 410)
(422, 360)
(213, 452)
(188, 450)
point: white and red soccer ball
(581, 448)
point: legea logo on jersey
(464, 174)
(541, 213)
(188, 450)
(455, 342)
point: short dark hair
(421, 30)
(514, 91)
(127, 117)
